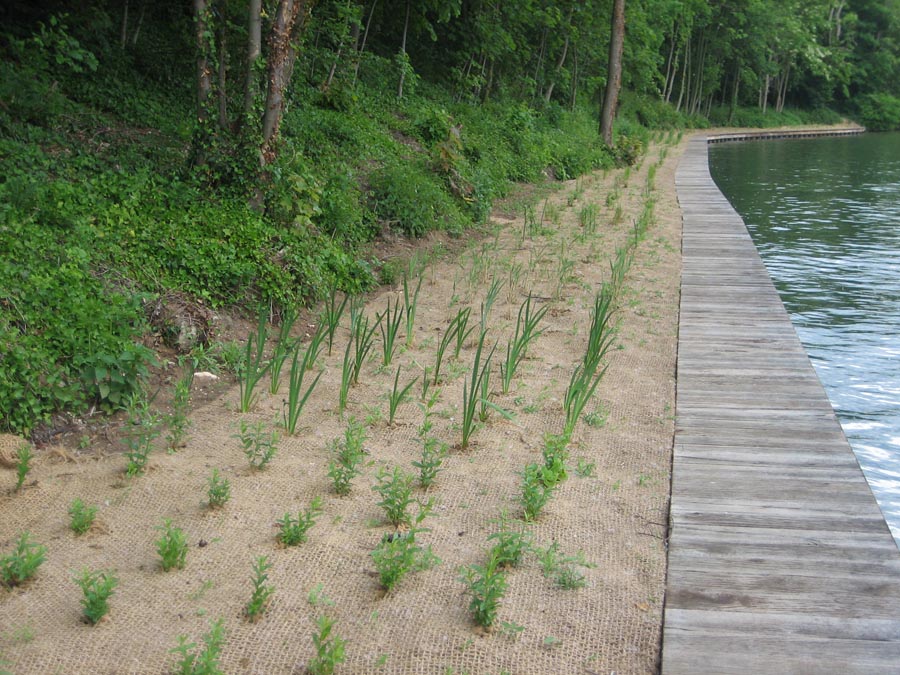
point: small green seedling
(197, 661)
(81, 517)
(258, 443)
(171, 546)
(23, 562)
(329, 648)
(510, 543)
(395, 489)
(536, 492)
(294, 530)
(96, 587)
(262, 592)
(399, 554)
(585, 469)
(487, 586)
(181, 400)
(297, 396)
(253, 366)
(24, 455)
(347, 455)
(563, 569)
(218, 491)
(397, 395)
(433, 449)
(143, 428)
(283, 346)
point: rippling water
(825, 216)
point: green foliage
(178, 418)
(395, 489)
(879, 112)
(510, 543)
(20, 565)
(397, 395)
(196, 660)
(538, 485)
(24, 455)
(412, 201)
(259, 444)
(487, 586)
(563, 569)
(433, 449)
(347, 455)
(293, 530)
(81, 517)
(171, 546)
(399, 554)
(218, 490)
(96, 587)
(329, 648)
(297, 396)
(262, 592)
(143, 427)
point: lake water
(825, 216)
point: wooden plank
(780, 560)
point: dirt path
(612, 509)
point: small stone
(205, 377)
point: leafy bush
(409, 199)
(880, 112)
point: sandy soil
(612, 510)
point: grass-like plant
(346, 378)
(171, 546)
(254, 366)
(536, 492)
(587, 218)
(472, 390)
(201, 661)
(410, 301)
(181, 400)
(517, 349)
(397, 395)
(363, 339)
(462, 330)
(433, 449)
(329, 648)
(446, 339)
(511, 543)
(489, 299)
(96, 587)
(390, 322)
(297, 396)
(21, 565)
(262, 591)
(347, 455)
(284, 344)
(143, 428)
(293, 531)
(258, 443)
(24, 455)
(395, 488)
(81, 517)
(331, 315)
(218, 490)
(487, 586)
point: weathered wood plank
(780, 560)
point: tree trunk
(614, 72)
(124, 32)
(277, 74)
(204, 79)
(140, 22)
(573, 97)
(559, 65)
(734, 93)
(685, 71)
(403, 50)
(222, 55)
(254, 49)
(765, 94)
(362, 47)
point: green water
(825, 216)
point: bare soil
(612, 509)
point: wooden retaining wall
(779, 558)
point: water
(825, 216)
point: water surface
(825, 216)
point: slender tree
(614, 72)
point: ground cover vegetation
(162, 163)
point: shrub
(409, 199)
(880, 112)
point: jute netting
(614, 513)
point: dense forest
(225, 153)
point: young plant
(563, 569)
(395, 489)
(329, 648)
(181, 399)
(143, 428)
(218, 491)
(297, 397)
(24, 455)
(171, 546)
(253, 366)
(489, 300)
(462, 331)
(442, 347)
(284, 344)
(487, 586)
(399, 553)
(205, 661)
(363, 338)
(555, 453)
(510, 544)
(259, 444)
(262, 592)
(536, 492)
(397, 395)
(390, 326)
(315, 348)
(331, 315)
(347, 455)
(410, 300)
(96, 587)
(81, 517)
(433, 449)
(293, 530)
(23, 562)
(517, 348)
(587, 218)
(346, 379)
(472, 390)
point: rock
(205, 377)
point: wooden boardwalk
(779, 558)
